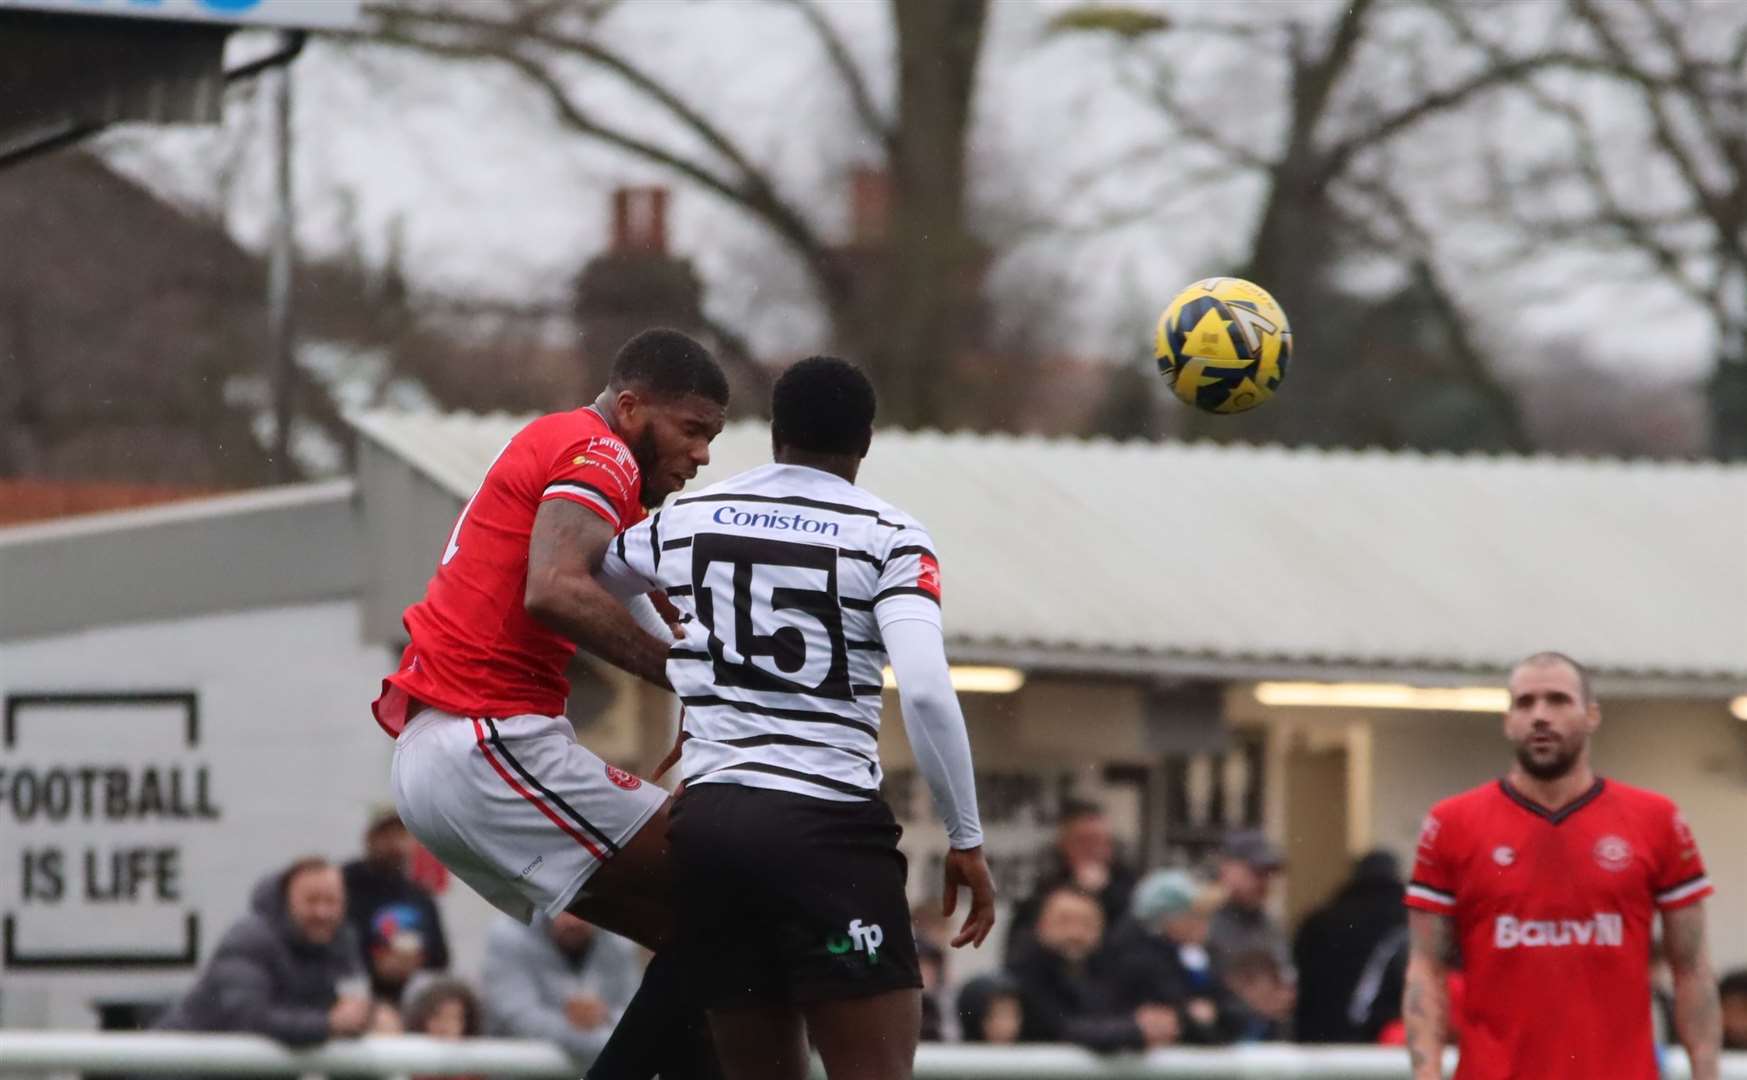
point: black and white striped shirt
(791, 573)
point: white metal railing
(158, 1053)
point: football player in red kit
(1545, 884)
(487, 771)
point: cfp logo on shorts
(862, 937)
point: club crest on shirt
(623, 778)
(1503, 855)
(1613, 853)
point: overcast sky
(492, 200)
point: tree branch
(1311, 93)
(854, 83)
(1663, 124)
(1468, 355)
(1336, 159)
(1641, 234)
(527, 31)
(466, 37)
(1164, 96)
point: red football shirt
(1552, 913)
(475, 651)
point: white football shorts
(515, 807)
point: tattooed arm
(567, 546)
(1425, 1003)
(1697, 1013)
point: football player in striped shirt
(1546, 884)
(801, 587)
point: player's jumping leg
(663, 1030)
(760, 1042)
(518, 810)
(632, 893)
(870, 1038)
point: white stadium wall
(171, 825)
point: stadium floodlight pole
(281, 349)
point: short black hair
(669, 365)
(382, 823)
(824, 405)
(1733, 983)
(1254, 964)
(1078, 809)
(1069, 888)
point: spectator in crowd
(394, 951)
(380, 882)
(1084, 856)
(989, 1010)
(929, 925)
(1064, 994)
(933, 963)
(1351, 957)
(1159, 956)
(1732, 990)
(560, 979)
(442, 1007)
(1248, 864)
(933, 932)
(279, 970)
(1267, 995)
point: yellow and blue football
(1224, 345)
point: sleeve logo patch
(1428, 833)
(1683, 831)
(928, 576)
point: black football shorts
(786, 899)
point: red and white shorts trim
(516, 807)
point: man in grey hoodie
(277, 972)
(560, 979)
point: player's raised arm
(935, 724)
(1425, 1001)
(1698, 1013)
(566, 548)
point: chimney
(640, 221)
(870, 206)
(633, 285)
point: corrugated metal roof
(1342, 558)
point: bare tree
(1351, 93)
(1659, 172)
(905, 312)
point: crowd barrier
(35, 1053)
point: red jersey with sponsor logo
(475, 651)
(1553, 913)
